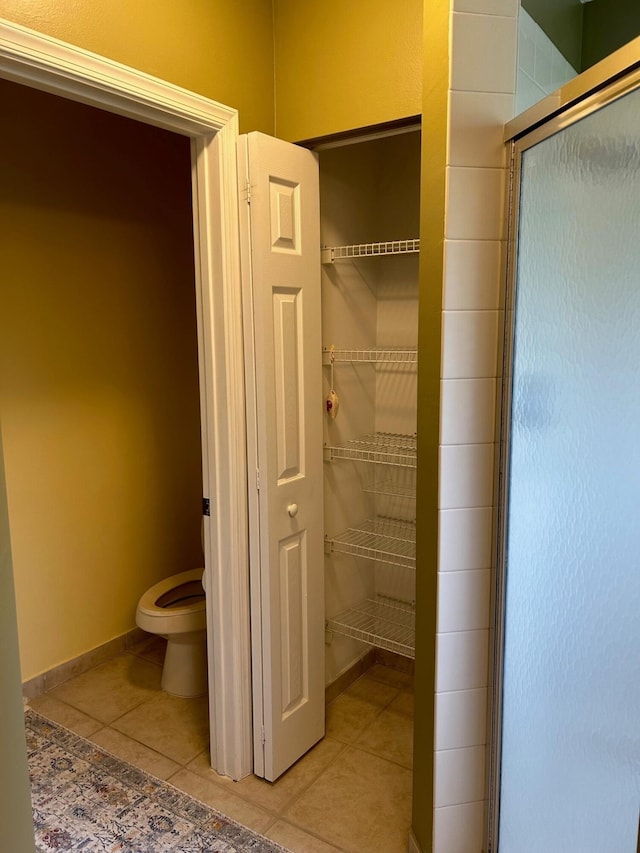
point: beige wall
(344, 64)
(98, 369)
(222, 49)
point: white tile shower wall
(459, 775)
(472, 274)
(458, 824)
(467, 410)
(462, 718)
(465, 537)
(463, 600)
(541, 67)
(469, 344)
(481, 101)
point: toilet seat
(173, 618)
(148, 602)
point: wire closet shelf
(384, 540)
(374, 355)
(390, 488)
(331, 254)
(382, 622)
(383, 448)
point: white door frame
(45, 63)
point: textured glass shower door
(570, 755)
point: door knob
(292, 509)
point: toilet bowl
(174, 608)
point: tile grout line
(286, 806)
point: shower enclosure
(566, 767)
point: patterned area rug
(85, 799)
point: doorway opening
(369, 207)
(44, 63)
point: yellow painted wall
(98, 368)
(345, 64)
(222, 49)
(103, 498)
(339, 65)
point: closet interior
(369, 196)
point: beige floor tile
(66, 715)
(403, 704)
(394, 661)
(274, 795)
(372, 691)
(135, 753)
(392, 677)
(360, 803)
(111, 689)
(224, 801)
(410, 687)
(150, 648)
(177, 728)
(71, 669)
(297, 840)
(390, 736)
(348, 716)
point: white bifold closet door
(279, 215)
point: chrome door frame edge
(610, 79)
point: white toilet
(174, 608)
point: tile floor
(350, 793)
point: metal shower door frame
(605, 82)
